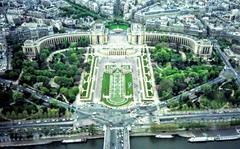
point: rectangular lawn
(128, 84)
(105, 84)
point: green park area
(178, 70)
(86, 81)
(57, 77)
(115, 90)
(117, 24)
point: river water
(145, 143)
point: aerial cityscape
(120, 74)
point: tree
(64, 91)
(236, 98)
(92, 129)
(73, 45)
(162, 127)
(64, 81)
(86, 67)
(30, 66)
(206, 88)
(20, 116)
(154, 127)
(67, 114)
(39, 113)
(44, 53)
(73, 58)
(218, 95)
(8, 114)
(44, 90)
(42, 78)
(18, 59)
(162, 55)
(165, 85)
(13, 115)
(84, 42)
(17, 95)
(74, 90)
(72, 93)
(28, 78)
(59, 66)
(25, 113)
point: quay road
(36, 123)
(201, 116)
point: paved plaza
(118, 78)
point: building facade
(98, 35)
(137, 35)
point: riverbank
(49, 140)
(44, 141)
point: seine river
(146, 143)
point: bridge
(116, 138)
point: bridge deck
(116, 138)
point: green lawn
(84, 93)
(128, 84)
(105, 84)
(119, 87)
(85, 86)
(121, 26)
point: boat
(216, 138)
(164, 136)
(201, 139)
(82, 140)
(227, 138)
